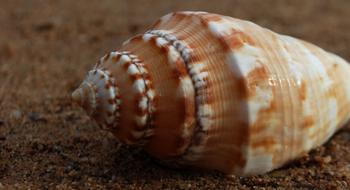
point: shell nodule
(220, 93)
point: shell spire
(98, 96)
(214, 92)
(85, 97)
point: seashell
(214, 92)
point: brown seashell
(220, 93)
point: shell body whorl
(220, 93)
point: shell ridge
(204, 113)
(145, 101)
(142, 86)
(100, 82)
(184, 53)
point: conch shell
(214, 92)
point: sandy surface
(46, 48)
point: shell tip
(77, 96)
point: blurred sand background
(46, 48)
